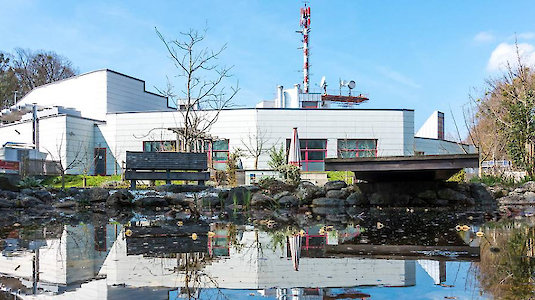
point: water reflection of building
(59, 262)
(87, 263)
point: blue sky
(423, 55)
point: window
(312, 154)
(220, 153)
(357, 148)
(159, 146)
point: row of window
(313, 151)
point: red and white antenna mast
(305, 25)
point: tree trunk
(62, 179)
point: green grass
(498, 180)
(346, 176)
(77, 180)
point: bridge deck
(404, 168)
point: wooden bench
(166, 166)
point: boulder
(441, 202)
(511, 199)
(427, 195)
(334, 185)
(481, 195)
(239, 196)
(419, 202)
(7, 185)
(4, 203)
(402, 200)
(98, 194)
(281, 194)
(288, 201)
(43, 195)
(120, 198)
(328, 202)
(211, 201)
(357, 199)
(274, 186)
(151, 201)
(177, 199)
(307, 191)
(451, 195)
(182, 188)
(338, 194)
(65, 204)
(261, 200)
(529, 197)
(28, 202)
(380, 199)
(8, 195)
(252, 188)
(529, 186)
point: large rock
(28, 202)
(481, 195)
(175, 188)
(380, 199)
(43, 195)
(151, 201)
(288, 201)
(211, 201)
(261, 200)
(281, 194)
(307, 191)
(334, 185)
(7, 185)
(274, 186)
(65, 204)
(451, 195)
(511, 199)
(98, 194)
(239, 196)
(178, 199)
(4, 203)
(529, 186)
(328, 202)
(338, 194)
(120, 198)
(427, 195)
(357, 198)
(8, 195)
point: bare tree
(63, 167)
(204, 92)
(255, 146)
(508, 107)
(36, 68)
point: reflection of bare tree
(506, 268)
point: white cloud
(506, 53)
(484, 37)
(398, 77)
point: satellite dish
(351, 85)
(322, 83)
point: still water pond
(366, 254)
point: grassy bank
(78, 180)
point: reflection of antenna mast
(305, 25)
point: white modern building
(94, 118)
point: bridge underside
(404, 168)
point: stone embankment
(271, 195)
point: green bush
(346, 176)
(30, 182)
(458, 177)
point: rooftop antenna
(350, 85)
(304, 23)
(323, 85)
